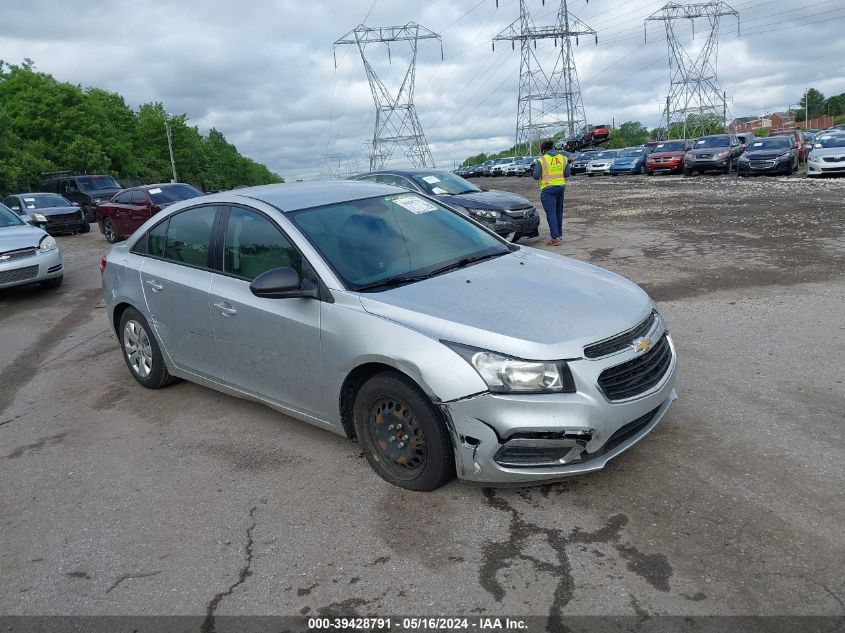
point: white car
(601, 162)
(501, 165)
(828, 155)
(27, 254)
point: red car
(128, 209)
(798, 137)
(668, 156)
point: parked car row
(508, 166)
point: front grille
(704, 156)
(638, 374)
(10, 256)
(18, 274)
(620, 341)
(522, 212)
(833, 159)
(758, 164)
(63, 218)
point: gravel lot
(118, 500)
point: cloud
(264, 74)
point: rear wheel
(110, 231)
(141, 351)
(403, 434)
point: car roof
(37, 193)
(305, 195)
(403, 172)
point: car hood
(828, 151)
(487, 200)
(24, 236)
(766, 153)
(555, 305)
(627, 159)
(708, 150)
(667, 155)
(48, 211)
(103, 194)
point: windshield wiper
(391, 281)
(408, 279)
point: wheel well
(352, 384)
(119, 309)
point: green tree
(628, 134)
(812, 102)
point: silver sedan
(382, 315)
(27, 254)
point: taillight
(102, 264)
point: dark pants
(552, 199)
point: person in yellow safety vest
(551, 169)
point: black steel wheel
(403, 434)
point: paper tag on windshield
(431, 179)
(438, 191)
(29, 199)
(30, 206)
(700, 143)
(414, 204)
(156, 190)
(757, 144)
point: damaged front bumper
(533, 438)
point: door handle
(152, 283)
(226, 310)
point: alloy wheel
(137, 347)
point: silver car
(27, 253)
(381, 314)
(601, 162)
(828, 154)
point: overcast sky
(263, 73)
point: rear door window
(138, 197)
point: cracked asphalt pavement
(119, 500)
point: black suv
(714, 152)
(87, 190)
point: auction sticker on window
(156, 190)
(413, 204)
(431, 179)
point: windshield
(831, 140)
(172, 193)
(502, 161)
(44, 201)
(603, 155)
(631, 153)
(8, 217)
(670, 147)
(401, 235)
(97, 183)
(585, 156)
(713, 141)
(443, 183)
(770, 143)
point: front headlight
(483, 213)
(47, 243)
(723, 154)
(785, 155)
(504, 374)
(40, 217)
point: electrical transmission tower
(693, 83)
(548, 101)
(397, 123)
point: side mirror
(283, 283)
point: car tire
(421, 460)
(642, 170)
(136, 338)
(728, 167)
(109, 230)
(55, 282)
(84, 227)
(687, 172)
(649, 172)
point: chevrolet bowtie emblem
(641, 345)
